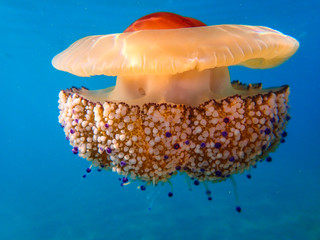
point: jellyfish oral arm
(190, 88)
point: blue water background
(42, 193)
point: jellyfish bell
(173, 107)
(154, 66)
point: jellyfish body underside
(151, 142)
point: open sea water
(42, 192)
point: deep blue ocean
(42, 192)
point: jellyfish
(173, 108)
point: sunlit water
(42, 192)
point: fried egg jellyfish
(174, 108)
